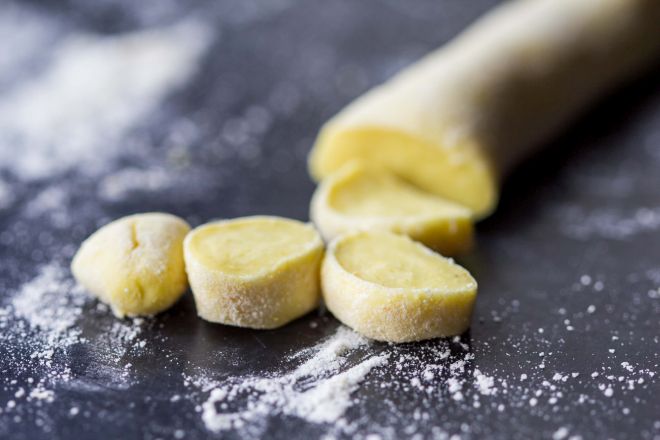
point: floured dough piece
(257, 272)
(458, 120)
(362, 198)
(389, 288)
(135, 264)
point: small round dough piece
(259, 272)
(363, 198)
(390, 288)
(135, 264)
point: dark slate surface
(589, 204)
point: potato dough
(362, 198)
(135, 264)
(258, 272)
(459, 119)
(390, 288)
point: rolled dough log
(455, 122)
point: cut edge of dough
(394, 314)
(308, 249)
(274, 296)
(426, 228)
(331, 254)
(463, 175)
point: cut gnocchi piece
(135, 264)
(363, 198)
(259, 272)
(390, 288)
(459, 119)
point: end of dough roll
(459, 119)
(460, 173)
(259, 272)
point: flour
(51, 204)
(315, 391)
(41, 318)
(329, 354)
(44, 303)
(29, 30)
(609, 224)
(123, 336)
(327, 401)
(106, 85)
(323, 387)
(41, 323)
(326, 381)
(485, 384)
(119, 185)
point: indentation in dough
(135, 264)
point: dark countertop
(578, 226)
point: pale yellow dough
(458, 120)
(258, 272)
(390, 288)
(135, 264)
(362, 198)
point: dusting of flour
(315, 391)
(105, 84)
(39, 326)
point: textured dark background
(557, 221)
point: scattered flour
(316, 391)
(327, 401)
(106, 84)
(38, 326)
(28, 30)
(322, 388)
(485, 384)
(44, 315)
(609, 224)
(560, 433)
(117, 186)
(328, 355)
(50, 304)
(51, 203)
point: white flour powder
(43, 320)
(50, 304)
(119, 185)
(316, 391)
(41, 323)
(609, 224)
(75, 111)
